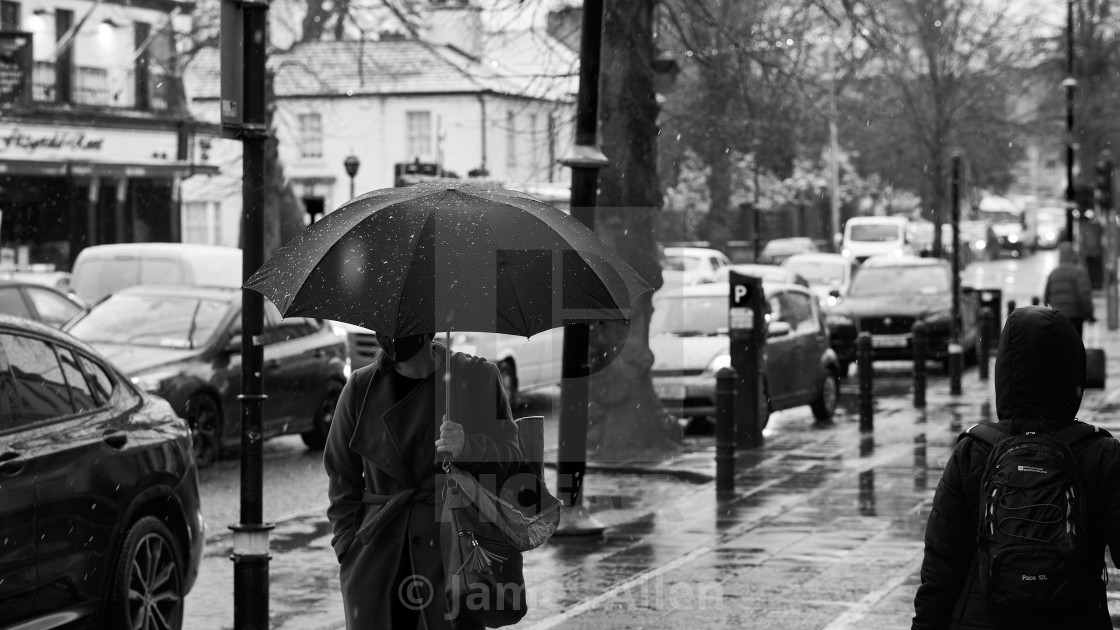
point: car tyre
(147, 588)
(507, 371)
(829, 395)
(316, 437)
(205, 419)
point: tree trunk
(626, 419)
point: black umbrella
(441, 257)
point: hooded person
(1069, 289)
(1040, 368)
(387, 440)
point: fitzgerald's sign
(45, 142)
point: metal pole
(987, 317)
(575, 388)
(250, 539)
(920, 338)
(1108, 216)
(725, 430)
(955, 350)
(866, 383)
(1070, 84)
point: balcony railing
(101, 87)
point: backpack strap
(1078, 434)
(989, 433)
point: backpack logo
(1032, 469)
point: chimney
(455, 23)
(565, 24)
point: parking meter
(747, 330)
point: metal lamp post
(1070, 83)
(352, 163)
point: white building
(456, 102)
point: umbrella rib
(494, 239)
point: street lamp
(351, 163)
(1070, 83)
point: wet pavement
(824, 529)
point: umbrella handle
(447, 377)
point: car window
(792, 308)
(41, 389)
(279, 329)
(11, 302)
(900, 281)
(52, 307)
(80, 392)
(151, 320)
(7, 394)
(101, 384)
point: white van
(102, 269)
(876, 236)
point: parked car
(828, 275)
(691, 265)
(1009, 225)
(768, 273)
(525, 363)
(876, 236)
(777, 250)
(38, 302)
(887, 296)
(689, 340)
(183, 342)
(58, 280)
(100, 525)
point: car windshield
(900, 281)
(679, 263)
(874, 233)
(819, 272)
(149, 320)
(689, 315)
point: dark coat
(384, 487)
(1040, 366)
(1068, 287)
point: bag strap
(990, 433)
(1079, 434)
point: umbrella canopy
(439, 257)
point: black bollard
(921, 343)
(863, 357)
(1010, 306)
(1035, 301)
(987, 328)
(725, 430)
(956, 364)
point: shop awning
(156, 170)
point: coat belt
(383, 508)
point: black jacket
(1040, 366)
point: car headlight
(839, 319)
(981, 244)
(846, 253)
(939, 317)
(151, 381)
(718, 363)
(1012, 238)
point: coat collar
(377, 435)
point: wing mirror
(778, 329)
(233, 346)
(834, 292)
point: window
(80, 391)
(419, 128)
(53, 308)
(101, 384)
(11, 302)
(41, 389)
(310, 136)
(9, 16)
(534, 141)
(511, 139)
(200, 222)
(278, 329)
(7, 395)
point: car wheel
(316, 437)
(148, 581)
(508, 373)
(825, 405)
(205, 420)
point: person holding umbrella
(383, 459)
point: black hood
(1040, 366)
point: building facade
(95, 136)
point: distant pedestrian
(1040, 367)
(1069, 290)
(383, 462)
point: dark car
(887, 296)
(183, 342)
(36, 301)
(100, 525)
(688, 337)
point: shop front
(64, 188)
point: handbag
(484, 533)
